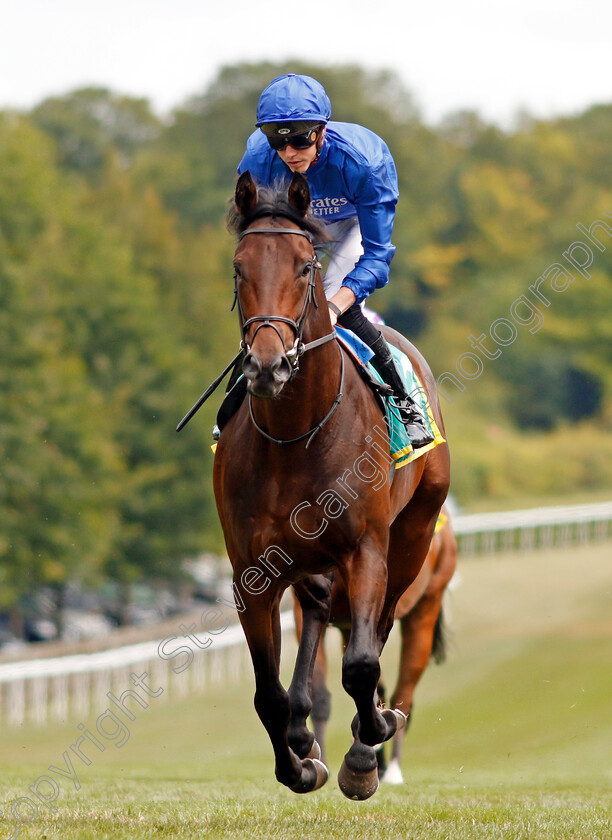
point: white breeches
(346, 248)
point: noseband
(299, 348)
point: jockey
(353, 183)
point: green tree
(89, 123)
(59, 481)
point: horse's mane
(273, 202)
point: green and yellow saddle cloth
(402, 450)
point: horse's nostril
(251, 366)
(266, 376)
(280, 368)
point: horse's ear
(246, 194)
(299, 194)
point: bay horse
(419, 612)
(303, 490)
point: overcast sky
(545, 56)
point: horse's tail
(438, 648)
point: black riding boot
(410, 411)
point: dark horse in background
(419, 613)
(303, 434)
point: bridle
(299, 348)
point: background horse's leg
(314, 596)
(417, 639)
(381, 758)
(422, 637)
(365, 579)
(261, 624)
(416, 557)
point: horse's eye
(306, 270)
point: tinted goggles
(299, 140)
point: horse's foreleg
(321, 698)
(366, 587)
(261, 624)
(314, 596)
(365, 579)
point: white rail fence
(524, 530)
(68, 687)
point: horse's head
(274, 267)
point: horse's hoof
(315, 751)
(314, 776)
(358, 786)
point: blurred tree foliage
(115, 288)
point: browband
(276, 230)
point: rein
(311, 432)
(299, 348)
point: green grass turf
(511, 737)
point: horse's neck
(319, 367)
